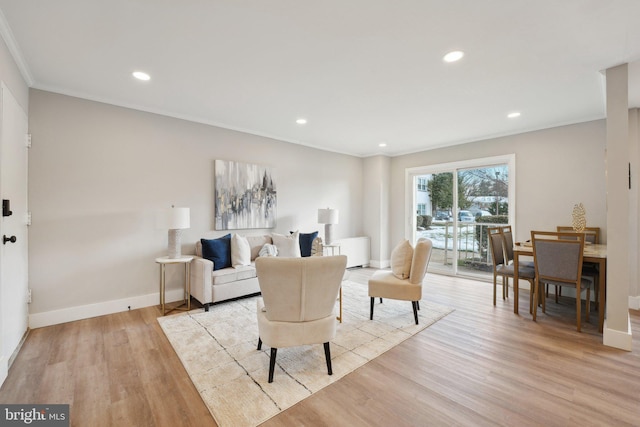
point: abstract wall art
(245, 196)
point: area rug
(218, 350)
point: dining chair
(558, 261)
(497, 245)
(508, 248)
(589, 269)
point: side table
(163, 261)
(333, 248)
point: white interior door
(14, 313)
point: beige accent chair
(298, 300)
(386, 284)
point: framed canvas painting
(245, 196)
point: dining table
(593, 253)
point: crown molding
(14, 49)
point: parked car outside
(442, 216)
(466, 216)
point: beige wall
(98, 174)
(555, 169)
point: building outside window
(422, 184)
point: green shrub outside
(424, 221)
(483, 240)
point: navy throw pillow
(217, 250)
(306, 241)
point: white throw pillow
(288, 245)
(240, 251)
(401, 257)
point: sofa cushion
(240, 251)
(288, 246)
(217, 250)
(306, 242)
(228, 275)
(256, 243)
(401, 257)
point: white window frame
(411, 175)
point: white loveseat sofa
(209, 285)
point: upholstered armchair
(404, 280)
(298, 301)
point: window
(464, 199)
(422, 184)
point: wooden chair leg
(495, 285)
(327, 355)
(531, 301)
(506, 289)
(578, 307)
(371, 310)
(503, 288)
(535, 299)
(418, 304)
(415, 310)
(259, 343)
(272, 363)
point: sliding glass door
(454, 204)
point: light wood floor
(480, 365)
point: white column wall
(617, 330)
(376, 210)
(634, 210)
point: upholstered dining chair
(589, 269)
(404, 280)
(508, 247)
(501, 267)
(558, 261)
(298, 301)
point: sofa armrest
(201, 271)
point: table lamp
(176, 220)
(328, 217)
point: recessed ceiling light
(382, 144)
(454, 56)
(513, 115)
(301, 121)
(141, 76)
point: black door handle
(6, 239)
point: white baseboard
(54, 317)
(618, 339)
(375, 263)
(634, 303)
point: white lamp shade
(176, 219)
(327, 216)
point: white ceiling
(361, 71)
